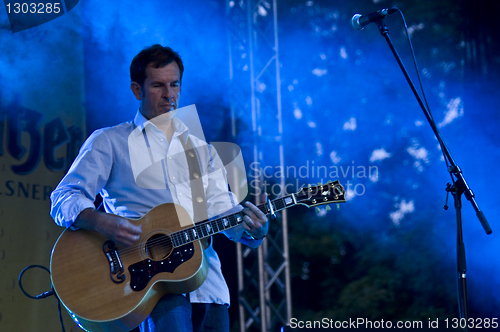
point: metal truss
(264, 290)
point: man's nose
(168, 93)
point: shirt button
(195, 175)
(199, 199)
(173, 177)
(169, 157)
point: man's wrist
(253, 237)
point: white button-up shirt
(134, 168)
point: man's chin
(167, 116)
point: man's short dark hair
(158, 56)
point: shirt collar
(180, 129)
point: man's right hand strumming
(118, 229)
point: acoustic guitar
(106, 287)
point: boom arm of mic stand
(454, 169)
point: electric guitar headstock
(331, 192)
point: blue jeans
(174, 313)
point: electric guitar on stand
(107, 287)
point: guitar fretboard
(208, 228)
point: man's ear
(136, 90)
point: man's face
(161, 91)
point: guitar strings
(169, 240)
(189, 235)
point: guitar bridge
(114, 260)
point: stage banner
(42, 126)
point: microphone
(359, 21)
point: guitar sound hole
(158, 247)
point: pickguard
(142, 272)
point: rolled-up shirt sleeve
(86, 177)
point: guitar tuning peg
(308, 186)
(328, 208)
(317, 210)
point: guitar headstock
(331, 192)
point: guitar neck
(208, 228)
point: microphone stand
(458, 188)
